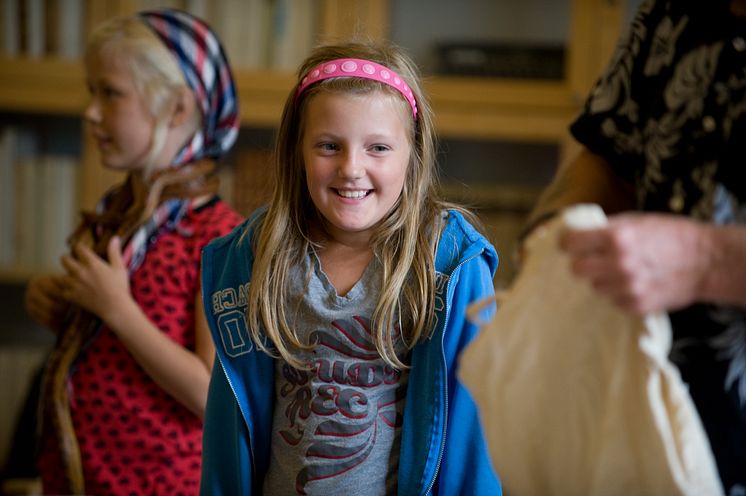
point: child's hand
(44, 301)
(101, 288)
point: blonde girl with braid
(125, 388)
(338, 311)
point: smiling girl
(338, 312)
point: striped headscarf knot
(207, 72)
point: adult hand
(99, 286)
(44, 301)
(642, 262)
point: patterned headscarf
(207, 72)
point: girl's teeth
(353, 194)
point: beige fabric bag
(577, 397)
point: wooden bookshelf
(532, 111)
(42, 86)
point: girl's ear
(184, 107)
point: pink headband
(360, 68)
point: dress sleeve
(609, 123)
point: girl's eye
(328, 147)
(380, 148)
(104, 91)
(110, 92)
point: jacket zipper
(243, 414)
(445, 382)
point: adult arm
(103, 289)
(584, 178)
(644, 262)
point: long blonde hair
(404, 242)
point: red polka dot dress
(135, 439)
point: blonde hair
(155, 71)
(404, 242)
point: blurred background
(505, 78)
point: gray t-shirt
(337, 426)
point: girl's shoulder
(460, 240)
(457, 227)
(227, 260)
(240, 235)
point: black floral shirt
(669, 115)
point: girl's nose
(92, 112)
(351, 166)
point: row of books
(257, 34)
(39, 28)
(496, 59)
(39, 204)
(246, 182)
(260, 34)
(38, 200)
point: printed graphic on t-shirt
(342, 414)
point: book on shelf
(44, 222)
(293, 32)
(197, 8)
(27, 199)
(225, 184)
(35, 24)
(7, 195)
(11, 34)
(40, 28)
(39, 212)
(508, 60)
(243, 28)
(158, 4)
(68, 29)
(56, 216)
(256, 34)
(252, 180)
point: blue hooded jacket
(443, 450)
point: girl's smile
(356, 153)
